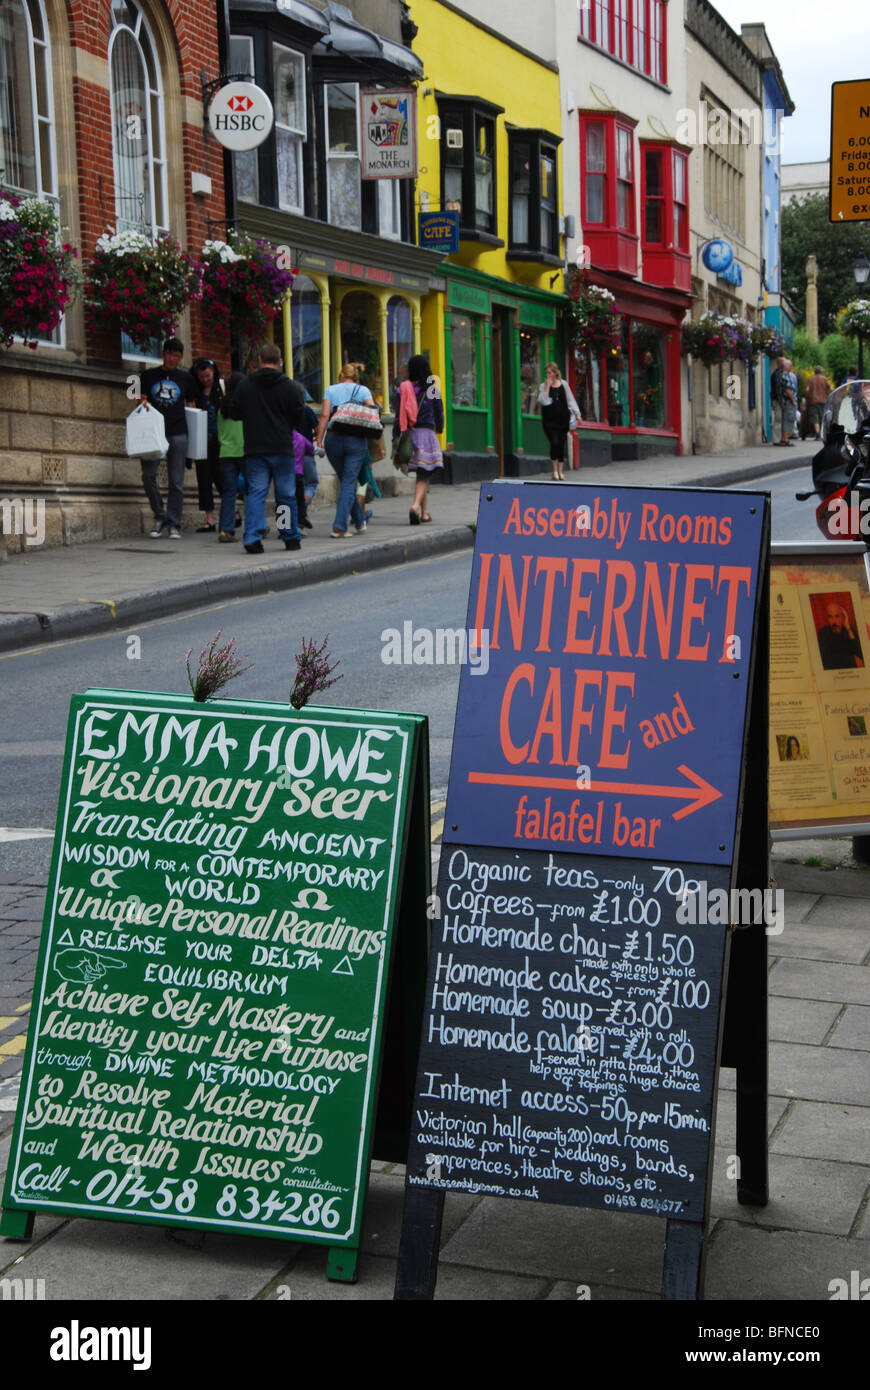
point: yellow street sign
(850, 152)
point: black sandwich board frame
(385, 1132)
(742, 1029)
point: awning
(302, 13)
(347, 39)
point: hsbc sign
(240, 116)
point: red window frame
(634, 32)
(612, 243)
(666, 259)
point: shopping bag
(197, 432)
(145, 434)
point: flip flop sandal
(414, 517)
(425, 517)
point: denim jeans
(230, 470)
(260, 471)
(347, 454)
(175, 455)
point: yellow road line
(5, 1021)
(14, 1046)
(437, 829)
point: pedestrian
(346, 449)
(818, 389)
(303, 450)
(786, 398)
(793, 386)
(421, 412)
(231, 438)
(168, 389)
(270, 407)
(209, 397)
(310, 477)
(851, 375)
(559, 415)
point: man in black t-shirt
(169, 390)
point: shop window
(619, 384)
(360, 338)
(534, 198)
(468, 165)
(288, 88)
(633, 31)
(608, 184)
(531, 371)
(587, 390)
(307, 336)
(138, 137)
(27, 154)
(647, 377)
(665, 223)
(465, 360)
(400, 345)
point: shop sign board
(388, 122)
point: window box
(665, 214)
(608, 194)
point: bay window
(468, 165)
(288, 86)
(665, 220)
(608, 188)
(533, 196)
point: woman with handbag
(348, 420)
(421, 416)
(559, 415)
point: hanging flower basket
(244, 284)
(144, 285)
(854, 319)
(715, 338)
(594, 324)
(767, 341)
(38, 274)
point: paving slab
(817, 1130)
(834, 911)
(803, 1195)
(818, 1073)
(800, 1020)
(853, 1030)
(726, 1117)
(561, 1242)
(828, 940)
(383, 1219)
(797, 905)
(750, 1262)
(125, 1261)
(805, 979)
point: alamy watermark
(744, 907)
(439, 646)
(25, 517)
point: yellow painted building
(489, 118)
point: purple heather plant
(312, 672)
(217, 666)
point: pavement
(816, 1227)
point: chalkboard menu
(208, 1010)
(570, 1037)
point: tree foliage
(805, 230)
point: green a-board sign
(209, 1008)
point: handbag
(377, 448)
(402, 450)
(356, 417)
(145, 433)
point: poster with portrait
(819, 689)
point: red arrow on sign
(698, 796)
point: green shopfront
(498, 338)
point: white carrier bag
(146, 433)
(197, 432)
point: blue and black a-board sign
(607, 796)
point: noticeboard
(209, 1005)
(576, 988)
(819, 689)
(850, 152)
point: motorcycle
(841, 468)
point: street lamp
(860, 270)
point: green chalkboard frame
(387, 1098)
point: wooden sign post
(210, 1003)
(576, 989)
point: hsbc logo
(240, 116)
